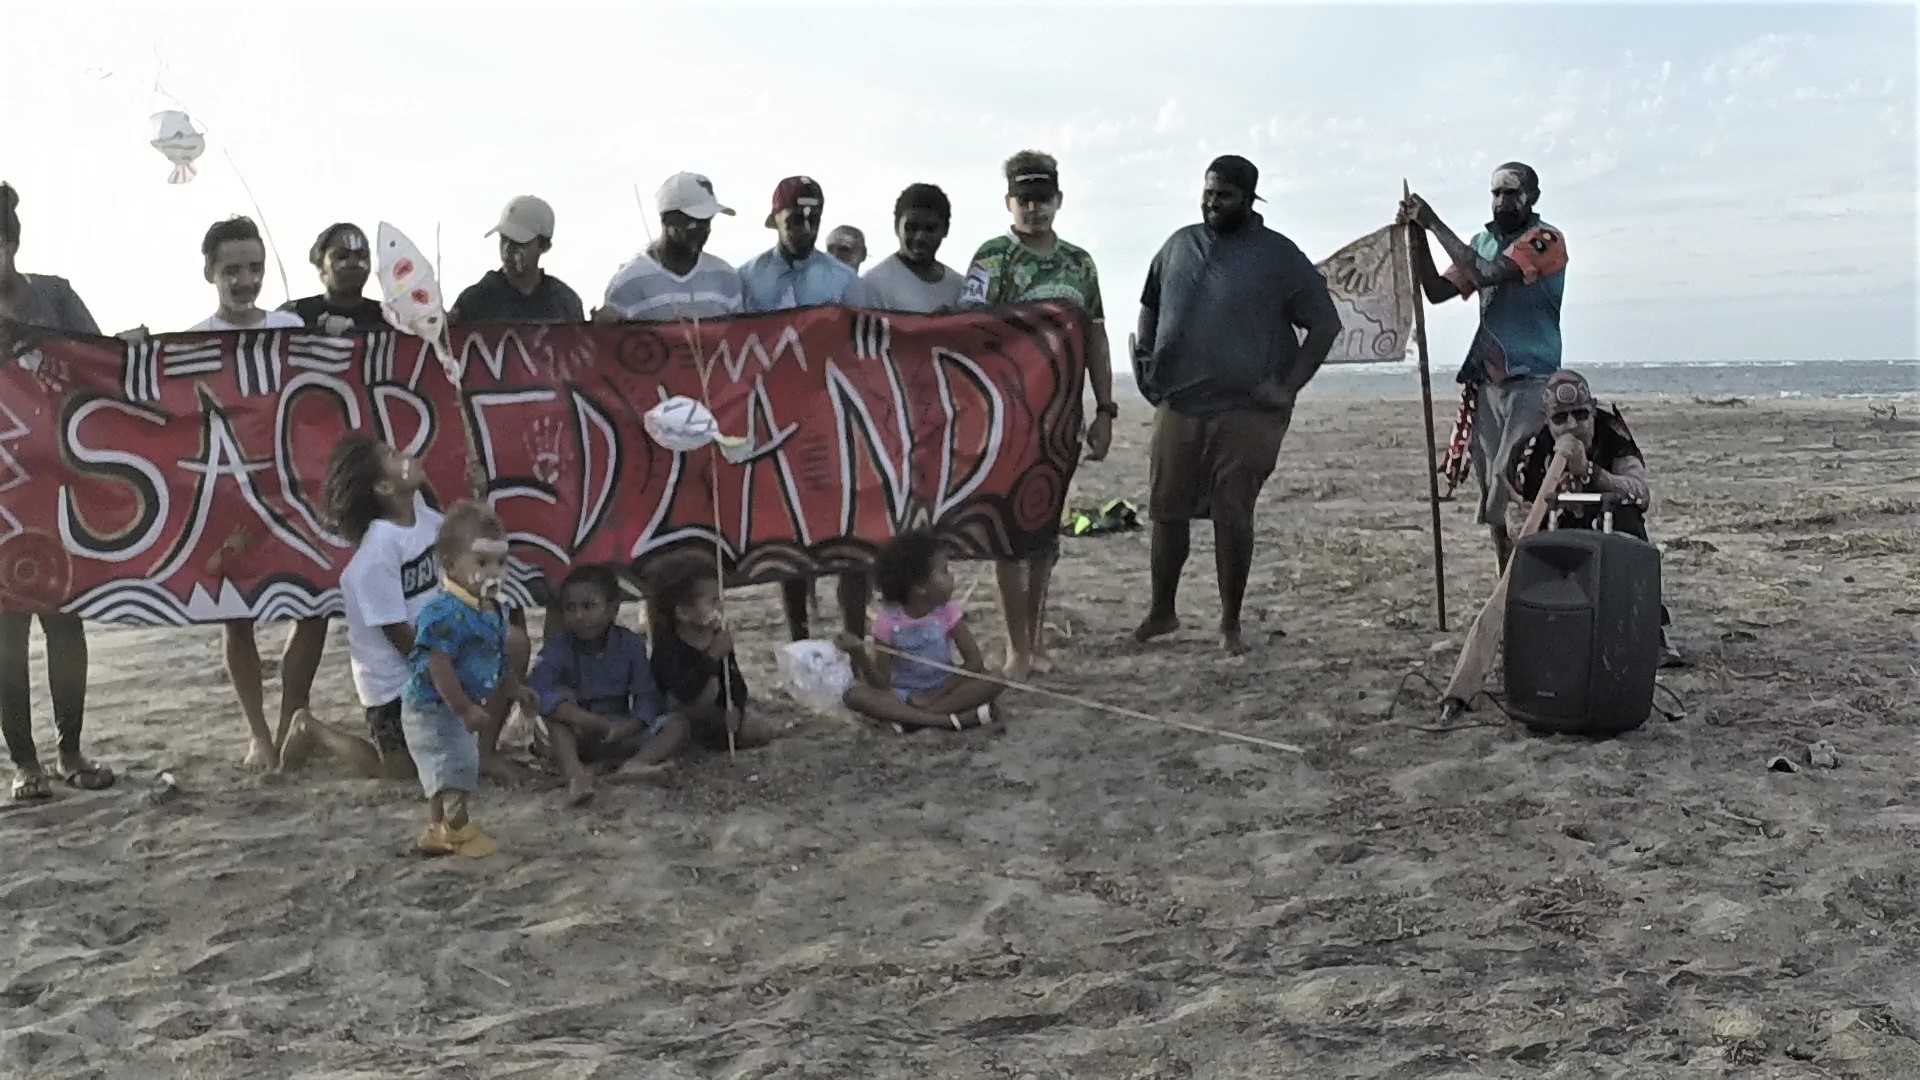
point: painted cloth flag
(1373, 291)
(178, 479)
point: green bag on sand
(1117, 515)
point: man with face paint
(794, 273)
(520, 291)
(1031, 262)
(1602, 459)
(344, 258)
(914, 279)
(1517, 265)
(676, 277)
(1219, 356)
(48, 303)
(849, 245)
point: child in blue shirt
(594, 687)
(912, 682)
(458, 664)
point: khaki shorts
(1212, 467)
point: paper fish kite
(410, 295)
(175, 138)
(683, 425)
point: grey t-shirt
(50, 303)
(891, 286)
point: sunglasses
(1572, 416)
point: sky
(1734, 181)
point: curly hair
(903, 563)
(354, 470)
(238, 227)
(671, 582)
(922, 197)
(466, 521)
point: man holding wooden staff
(1517, 265)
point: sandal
(30, 785)
(90, 776)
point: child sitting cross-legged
(593, 684)
(919, 619)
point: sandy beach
(1079, 894)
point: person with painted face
(44, 302)
(520, 291)
(1602, 459)
(794, 273)
(1518, 266)
(849, 245)
(914, 279)
(344, 258)
(1219, 356)
(1031, 262)
(676, 277)
(236, 265)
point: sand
(1082, 895)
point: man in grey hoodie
(1219, 355)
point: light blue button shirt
(769, 282)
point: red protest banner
(178, 480)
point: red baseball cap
(797, 192)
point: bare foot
(1156, 626)
(261, 755)
(1042, 663)
(300, 741)
(1017, 667)
(1233, 643)
(636, 767)
(579, 792)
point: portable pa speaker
(1582, 632)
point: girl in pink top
(909, 683)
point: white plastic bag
(816, 673)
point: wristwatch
(1110, 410)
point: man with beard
(793, 273)
(1518, 266)
(849, 245)
(47, 303)
(914, 279)
(676, 278)
(520, 292)
(1219, 357)
(343, 257)
(1602, 459)
(1031, 262)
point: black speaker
(1582, 632)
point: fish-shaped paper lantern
(410, 294)
(174, 136)
(683, 425)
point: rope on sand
(1089, 703)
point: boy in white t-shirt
(372, 496)
(236, 266)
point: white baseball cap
(691, 194)
(524, 219)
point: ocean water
(1755, 380)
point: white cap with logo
(526, 218)
(691, 194)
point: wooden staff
(1415, 236)
(1476, 656)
